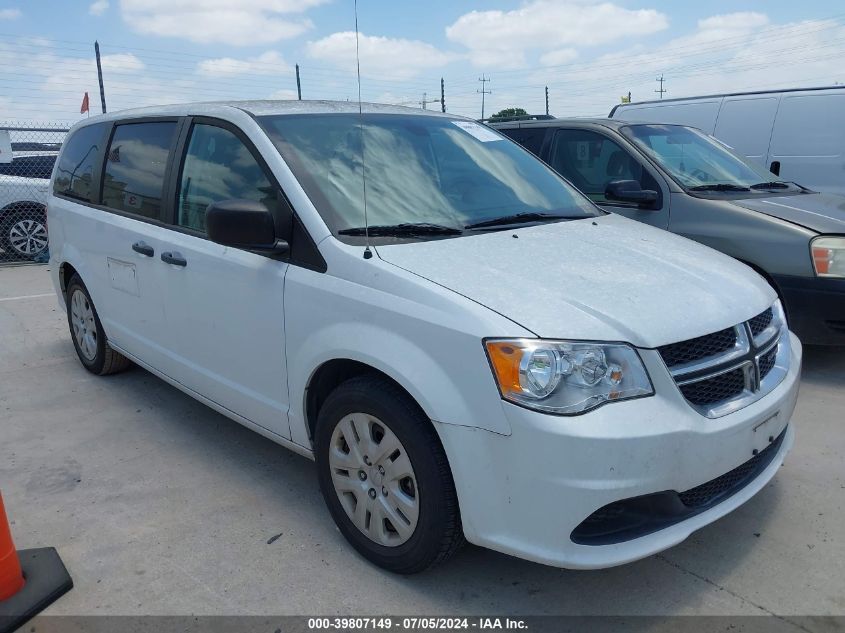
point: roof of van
(265, 107)
(726, 94)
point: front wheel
(385, 478)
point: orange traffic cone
(11, 576)
(30, 579)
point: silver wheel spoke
(83, 325)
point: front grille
(707, 493)
(767, 362)
(720, 372)
(698, 348)
(715, 389)
(760, 322)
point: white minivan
(798, 135)
(465, 344)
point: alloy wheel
(28, 237)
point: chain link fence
(28, 151)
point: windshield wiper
(719, 186)
(518, 218)
(775, 184)
(399, 230)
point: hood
(607, 278)
(820, 212)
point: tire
(382, 415)
(23, 232)
(87, 334)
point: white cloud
(501, 39)
(726, 53)
(269, 63)
(239, 23)
(396, 58)
(284, 95)
(558, 57)
(98, 7)
(10, 14)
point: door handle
(174, 258)
(143, 248)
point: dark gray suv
(679, 179)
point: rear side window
(531, 138)
(29, 167)
(75, 173)
(135, 167)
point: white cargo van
(798, 135)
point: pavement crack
(705, 579)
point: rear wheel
(90, 341)
(385, 478)
(23, 232)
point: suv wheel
(90, 341)
(385, 478)
(23, 233)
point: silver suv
(677, 178)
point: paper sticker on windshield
(478, 131)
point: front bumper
(526, 493)
(815, 308)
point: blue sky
(588, 52)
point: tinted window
(75, 173)
(218, 166)
(531, 138)
(135, 164)
(591, 161)
(419, 169)
(29, 167)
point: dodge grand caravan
(466, 345)
(676, 178)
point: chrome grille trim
(746, 354)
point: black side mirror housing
(630, 191)
(244, 224)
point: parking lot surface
(159, 505)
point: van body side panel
(745, 123)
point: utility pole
(442, 95)
(660, 90)
(298, 86)
(425, 101)
(100, 75)
(483, 92)
(547, 101)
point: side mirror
(244, 224)
(629, 191)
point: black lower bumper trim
(815, 308)
(632, 518)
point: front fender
(426, 338)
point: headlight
(828, 256)
(566, 377)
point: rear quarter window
(79, 157)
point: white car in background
(24, 185)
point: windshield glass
(695, 160)
(420, 169)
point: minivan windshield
(427, 177)
(699, 162)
